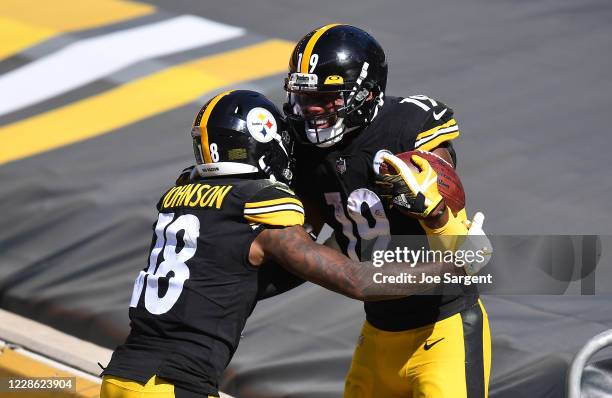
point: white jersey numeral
(334, 199)
(379, 231)
(173, 267)
(419, 100)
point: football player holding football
(418, 346)
(220, 233)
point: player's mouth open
(320, 123)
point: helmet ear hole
(369, 85)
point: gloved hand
(477, 241)
(413, 192)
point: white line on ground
(87, 60)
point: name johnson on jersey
(196, 195)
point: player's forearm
(450, 235)
(439, 218)
(293, 249)
(365, 282)
(371, 288)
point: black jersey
(341, 182)
(191, 302)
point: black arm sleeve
(274, 280)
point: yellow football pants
(156, 387)
(450, 358)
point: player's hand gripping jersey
(191, 302)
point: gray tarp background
(530, 84)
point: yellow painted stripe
(433, 130)
(283, 218)
(204, 122)
(14, 364)
(66, 15)
(16, 36)
(137, 100)
(310, 45)
(24, 23)
(281, 201)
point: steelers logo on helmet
(261, 124)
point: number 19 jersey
(340, 181)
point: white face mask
(335, 133)
(330, 135)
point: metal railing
(576, 369)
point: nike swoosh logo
(428, 346)
(437, 116)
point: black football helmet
(336, 83)
(241, 132)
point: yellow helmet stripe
(310, 45)
(204, 122)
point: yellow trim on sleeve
(310, 45)
(429, 145)
(281, 201)
(283, 218)
(433, 130)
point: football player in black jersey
(419, 346)
(220, 232)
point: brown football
(449, 183)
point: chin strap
(286, 173)
(265, 168)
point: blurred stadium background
(96, 101)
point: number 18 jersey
(190, 304)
